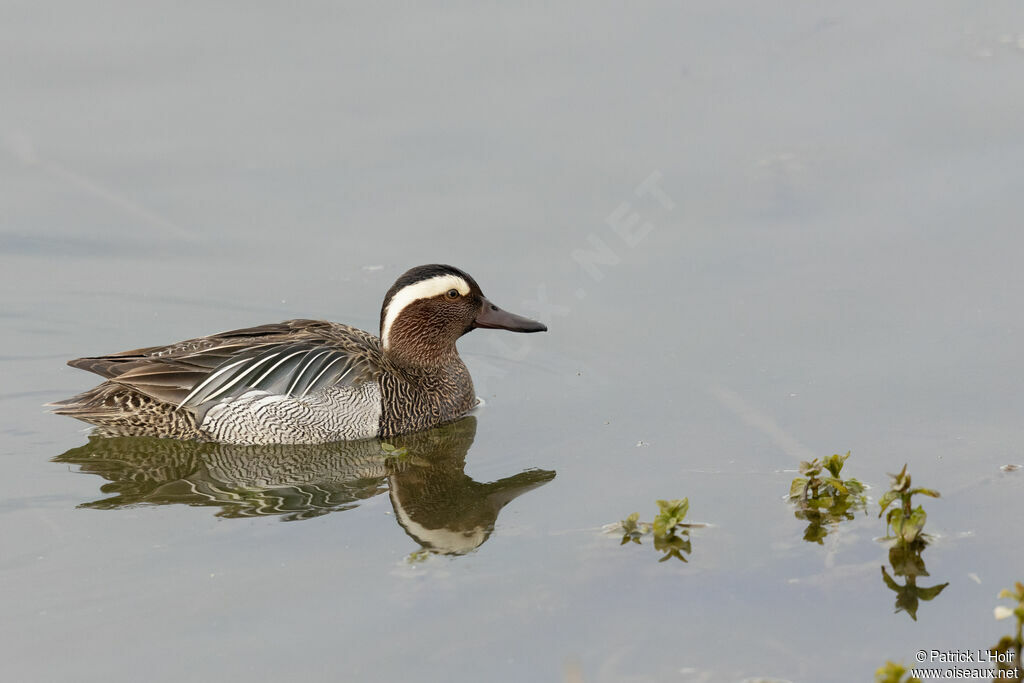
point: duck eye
(453, 294)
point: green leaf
(887, 499)
(901, 481)
(913, 524)
(925, 492)
(906, 560)
(854, 486)
(421, 555)
(673, 545)
(633, 529)
(834, 463)
(678, 507)
(810, 468)
(820, 502)
(895, 520)
(815, 533)
(890, 582)
(837, 484)
(672, 513)
(797, 488)
(933, 592)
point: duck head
(430, 307)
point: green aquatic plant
(1007, 652)
(671, 533)
(633, 529)
(823, 498)
(907, 524)
(671, 514)
(391, 451)
(418, 556)
(906, 521)
(812, 486)
(892, 672)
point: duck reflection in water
(435, 502)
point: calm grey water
(758, 232)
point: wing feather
(296, 357)
(293, 370)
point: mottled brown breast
(416, 399)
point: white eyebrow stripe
(240, 377)
(315, 379)
(298, 376)
(424, 289)
(209, 379)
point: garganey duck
(304, 381)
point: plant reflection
(909, 541)
(435, 502)
(906, 561)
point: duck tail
(119, 410)
(96, 403)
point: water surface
(758, 233)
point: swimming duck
(304, 381)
